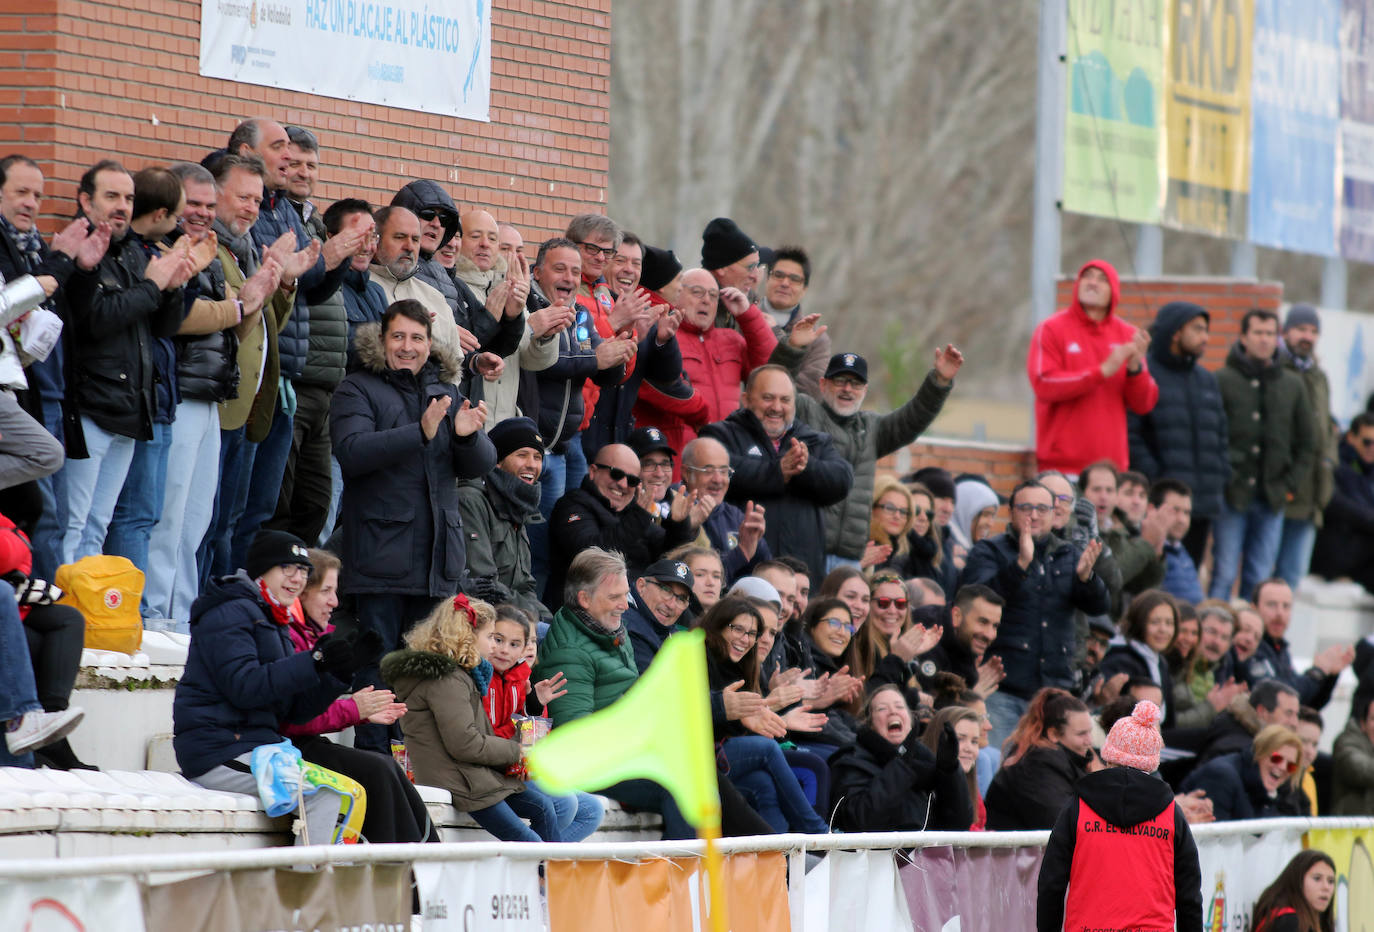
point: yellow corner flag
(659, 730)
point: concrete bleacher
(138, 804)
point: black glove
(947, 753)
(334, 653)
(1085, 523)
(367, 649)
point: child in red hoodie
(512, 647)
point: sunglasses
(883, 602)
(617, 474)
(426, 214)
(1278, 760)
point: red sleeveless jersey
(1122, 878)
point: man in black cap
(496, 507)
(729, 254)
(655, 464)
(864, 437)
(1303, 514)
(657, 603)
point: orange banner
(666, 894)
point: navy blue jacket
(612, 418)
(560, 385)
(243, 678)
(1184, 436)
(1273, 660)
(364, 302)
(1037, 637)
(645, 633)
(722, 530)
(1232, 783)
(402, 524)
(315, 287)
(1345, 543)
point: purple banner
(985, 888)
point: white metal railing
(322, 856)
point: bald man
(735, 533)
(613, 510)
(487, 271)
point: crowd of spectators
(509, 474)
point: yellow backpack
(106, 590)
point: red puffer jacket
(505, 698)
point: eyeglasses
(294, 569)
(884, 602)
(792, 277)
(839, 624)
(617, 474)
(590, 249)
(671, 592)
(724, 472)
(893, 509)
(701, 291)
(646, 466)
(750, 267)
(1066, 499)
(1278, 760)
(740, 631)
(1027, 508)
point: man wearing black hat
(1184, 436)
(1303, 515)
(864, 437)
(729, 254)
(658, 601)
(496, 508)
(656, 457)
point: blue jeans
(93, 487)
(331, 519)
(235, 470)
(562, 473)
(1295, 550)
(18, 692)
(1250, 538)
(52, 524)
(1005, 710)
(264, 486)
(552, 818)
(760, 772)
(139, 507)
(188, 504)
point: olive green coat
(1314, 491)
(1269, 419)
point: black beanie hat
(275, 548)
(660, 267)
(514, 433)
(938, 480)
(724, 243)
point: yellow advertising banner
(1353, 852)
(666, 894)
(1207, 115)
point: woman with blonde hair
(1258, 783)
(441, 676)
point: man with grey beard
(864, 437)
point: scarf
(511, 499)
(30, 243)
(281, 614)
(241, 247)
(481, 675)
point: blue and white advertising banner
(429, 55)
(1295, 111)
(1357, 130)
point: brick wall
(83, 79)
(1225, 299)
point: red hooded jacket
(505, 698)
(1080, 417)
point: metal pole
(1049, 157)
(1244, 260)
(1149, 250)
(1334, 280)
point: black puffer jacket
(1184, 437)
(207, 364)
(795, 507)
(116, 315)
(881, 787)
(326, 356)
(1037, 637)
(1030, 793)
(402, 527)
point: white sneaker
(37, 729)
